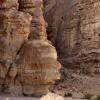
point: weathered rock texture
(27, 66)
(37, 68)
(38, 26)
(14, 31)
(77, 41)
(73, 28)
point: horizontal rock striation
(14, 31)
(37, 67)
(28, 62)
(38, 26)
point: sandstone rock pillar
(38, 26)
(38, 56)
(33, 66)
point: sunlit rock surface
(38, 26)
(14, 31)
(51, 96)
(28, 61)
(37, 68)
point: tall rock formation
(39, 43)
(29, 63)
(38, 26)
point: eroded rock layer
(37, 67)
(28, 64)
(38, 26)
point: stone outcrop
(29, 63)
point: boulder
(37, 67)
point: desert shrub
(88, 96)
(98, 97)
(69, 95)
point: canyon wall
(73, 27)
(28, 58)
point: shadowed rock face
(77, 41)
(54, 13)
(79, 34)
(27, 66)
